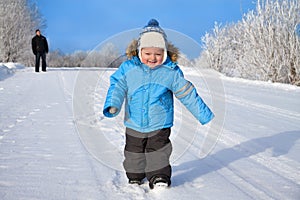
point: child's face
(152, 56)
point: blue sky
(83, 24)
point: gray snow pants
(147, 154)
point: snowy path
(42, 156)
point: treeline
(107, 56)
(264, 45)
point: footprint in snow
(19, 120)
(11, 126)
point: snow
(49, 150)
(8, 69)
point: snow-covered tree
(264, 45)
(107, 56)
(18, 20)
(55, 58)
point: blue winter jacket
(148, 95)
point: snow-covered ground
(44, 153)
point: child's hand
(112, 110)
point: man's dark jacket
(39, 44)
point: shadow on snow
(280, 144)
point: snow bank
(262, 84)
(210, 73)
(8, 69)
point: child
(147, 83)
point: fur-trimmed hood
(132, 50)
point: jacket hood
(132, 50)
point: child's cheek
(159, 60)
(144, 60)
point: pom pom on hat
(153, 25)
(153, 22)
(153, 35)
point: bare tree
(18, 19)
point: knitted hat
(153, 35)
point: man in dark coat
(40, 49)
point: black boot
(135, 181)
(159, 180)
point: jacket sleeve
(116, 93)
(46, 46)
(188, 96)
(33, 45)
